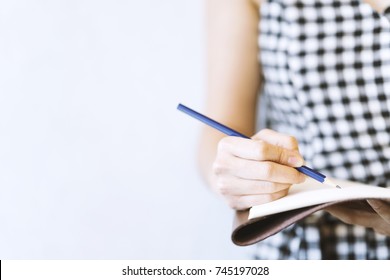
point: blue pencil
(231, 132)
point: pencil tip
(330, 183)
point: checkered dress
(326, 67)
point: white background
(95, 160)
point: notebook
(262, 221)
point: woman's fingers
(260, 150)
(258, 170)
(246, 201)
(255, 171)
(233, 186)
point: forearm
(207, 153)
(233, 73)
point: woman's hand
(253, 171)
(378, 221)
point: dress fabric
(326, 73)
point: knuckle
(223, 187)
(292, 142)
(219, 168)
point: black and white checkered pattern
(326, 67)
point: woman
(323, 68)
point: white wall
(95, 160)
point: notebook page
(312, 192)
